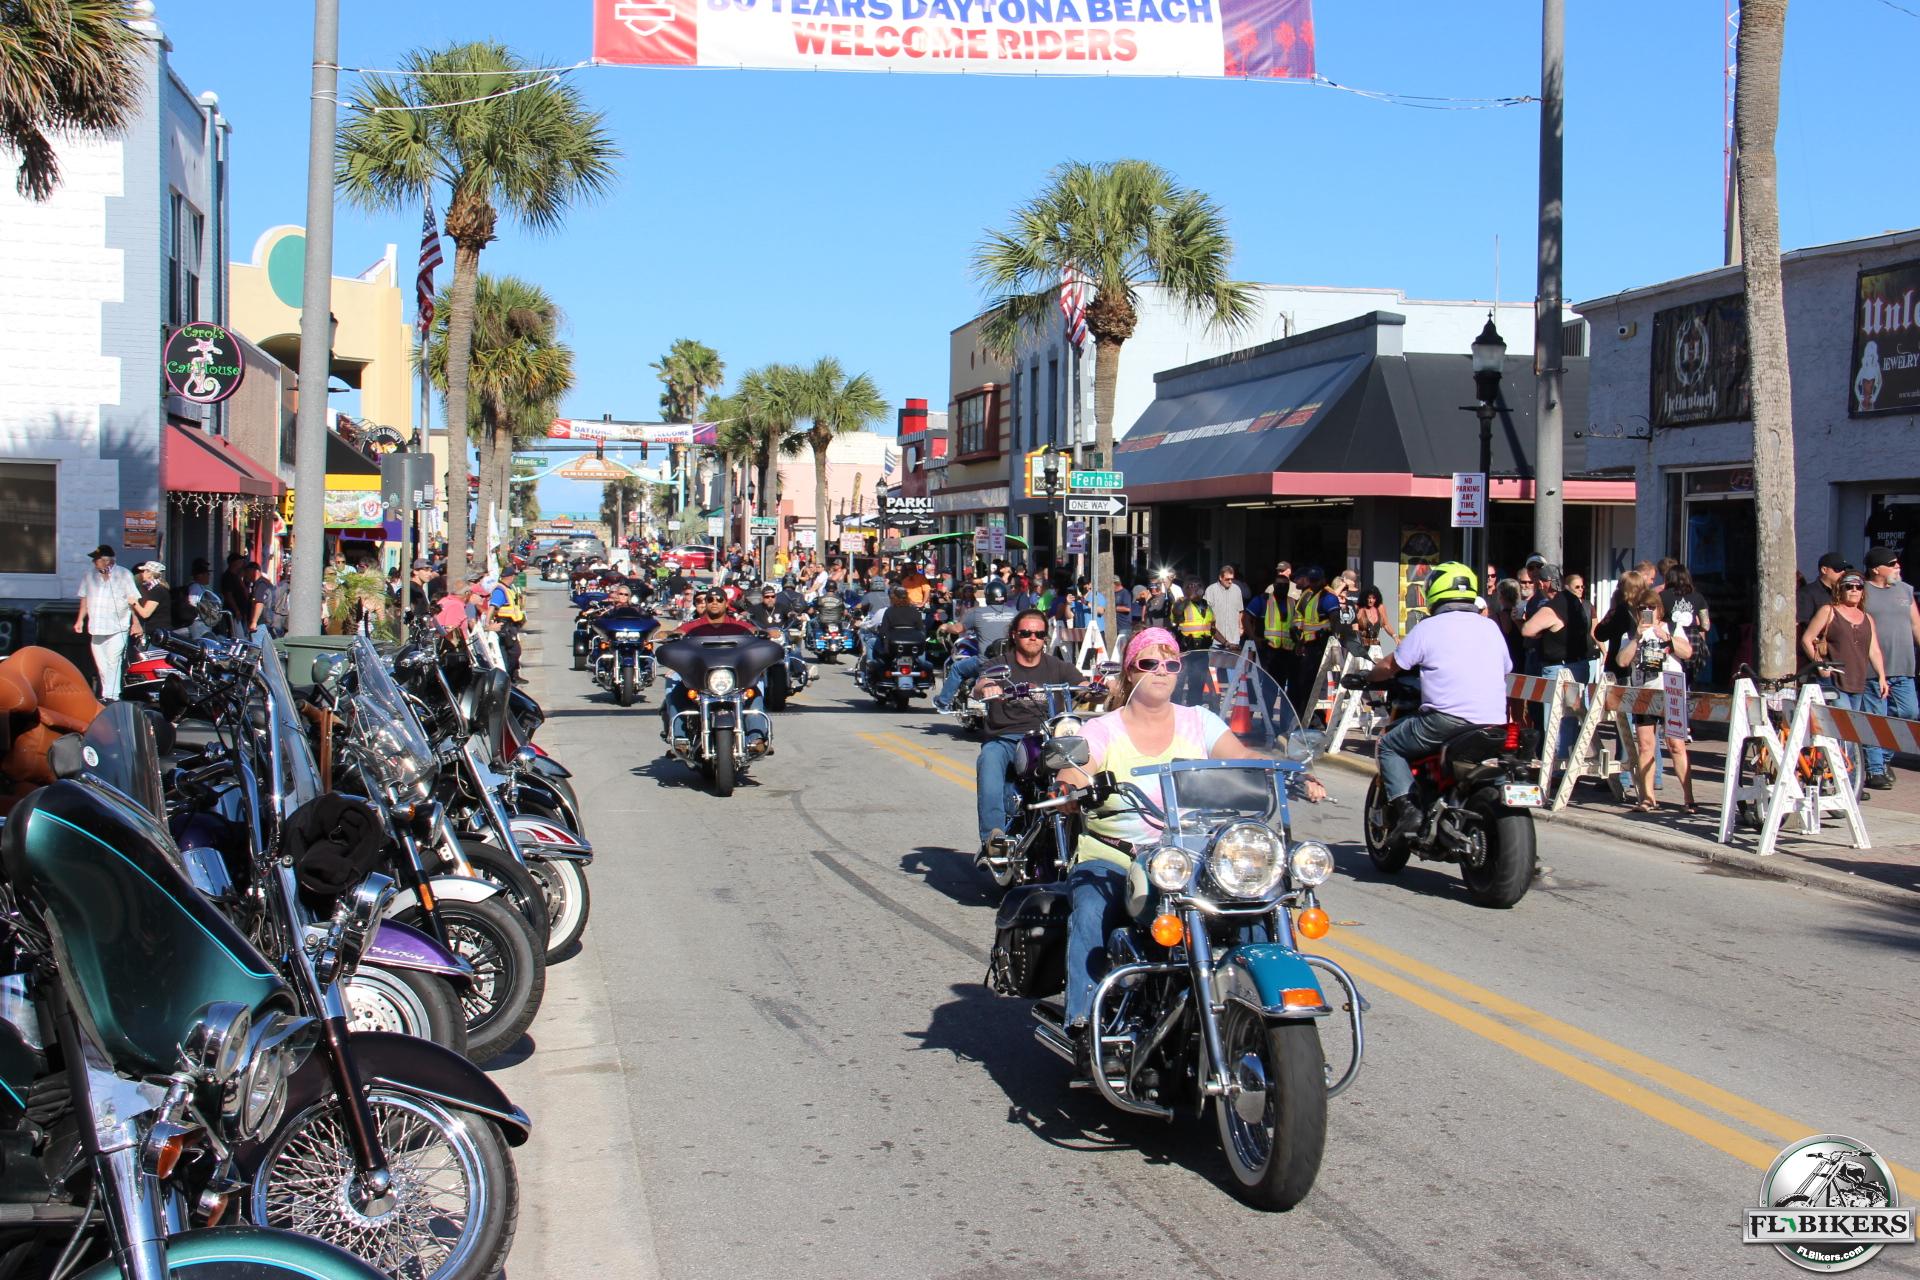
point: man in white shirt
(107, 597)
(1228, 604)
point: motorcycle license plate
(1521, 795)
(905, 682)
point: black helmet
(996, 591)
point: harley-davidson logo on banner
(1885, 377)
(1700, 363)
(1052, 37)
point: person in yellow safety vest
(1311, 625)
(1276, 629)
(1193, 620)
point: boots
(1403, 820)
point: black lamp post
(1489, 361)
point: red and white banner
(1214, 38)
(650, 432)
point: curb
(1775, 867)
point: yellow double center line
(913, 753)
(1538, 1037)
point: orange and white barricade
(1751, 718)
(1349, 711)
(1815, 726)
(1093, 649)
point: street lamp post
(1489, 362)
(879, 516)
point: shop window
(974, 434)
(186, 227)
(28, 503)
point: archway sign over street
(1208, 38)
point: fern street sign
(1099, 480)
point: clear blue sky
(788, 215)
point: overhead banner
(1885, 377)
(633, 432)
(1700, 363)
(593, 469)
(1211, 38)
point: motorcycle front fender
(536, 786)
(407, 1064)
(248, 1251)
(457, 888)
(1257, 974)
(400, 946)
(539, 838)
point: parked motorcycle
(715, 721)
(619, 652)
(1208, 998)
(1476, 797)
(119, 1111)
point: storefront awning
(1352, 425)
(191, 461)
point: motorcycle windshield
(119, 750)
(298, 779)
(382, 715)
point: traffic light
(643, 451)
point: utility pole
(1548, 513)
(316, 330)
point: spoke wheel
(509, 973)
(568, 901)
(454, 1199)
(1275, 1128)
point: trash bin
(13, 630)
(53, 629)
(300, 651)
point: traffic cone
(1240, 718)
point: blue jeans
(964, 669)
(1413, 738)
(994, 796)
(1097, 891)
(1900, 701)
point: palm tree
(66, 67)
(517, 371)
(771, 401)
(473, 119)
(1117, 225)
(1756, 117)
(836, 404)
(691, 370)
(733, 446)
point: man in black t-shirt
(1008, 719)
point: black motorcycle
(1040, 837)
(897, 668)
(717, 720)
(1476, 796)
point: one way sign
(1111, 505)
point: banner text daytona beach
(1210, 38)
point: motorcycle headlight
(1245, 860)
(1170, 868)
(216, 1045)
(720, 682)
(257, 1097)
(1065, 726)
(1311, 863)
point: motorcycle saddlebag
(1030, 942)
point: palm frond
(66, 67)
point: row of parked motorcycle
(258, 936)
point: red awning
(191, 461)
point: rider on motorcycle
(990, 622)
(1463, 663)
(1009, 720)
(711, 617)
(1145, 724)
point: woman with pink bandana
(1144, 725)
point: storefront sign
(594, 470)
(1700, 363)
(202, 363)
(346, 509)
(140, 530)
(1469, 500)
(1267, 38)
(1886, 342)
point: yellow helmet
(1451, 581)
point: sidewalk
(1887, 873)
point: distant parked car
(694, 557)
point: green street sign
(759, 525)
(1099, 480)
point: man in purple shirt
(1462, 662)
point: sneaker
(1879, 782)
(944, 708)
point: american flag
(429, 259)
(892, 461)
(1073, 306)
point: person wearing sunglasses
(1009, 720)
(1843, 633)
(1145, 724)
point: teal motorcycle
(142, 1039)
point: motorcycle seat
(1472, 746)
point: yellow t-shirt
(1195, 731)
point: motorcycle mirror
(326, 666)
(1062, 752)
(996, 672)
(1109, 669)
(1305, 744)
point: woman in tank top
(1842, 633)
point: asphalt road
(774, 1055)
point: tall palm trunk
(466, 272)
(1106, 376)
(821, 442)
(1769, 386)
(489, 495)
(503, 476)
(726, 499)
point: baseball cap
(150, 566)
(200, 565)
(422, 563)
(102, 550)
(1879, 557)
(1852, 580)
(1835, 561)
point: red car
(693, 557)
